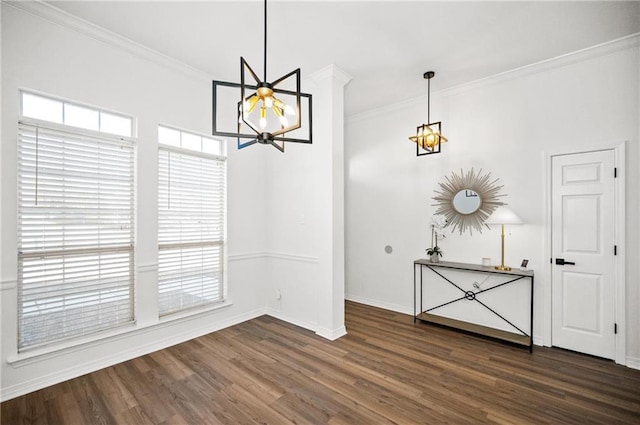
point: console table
(455, 303)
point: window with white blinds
(191, 215)
(75, 233)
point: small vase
(435, 258)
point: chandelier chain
(265, 41)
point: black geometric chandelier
(265, 112)
(428, 136)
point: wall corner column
(328, 152)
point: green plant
(435, 250)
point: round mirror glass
(466, 201)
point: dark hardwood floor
(386, 370)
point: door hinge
(615, 328)
(615, 172)
(615, 250)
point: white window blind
(75, 234)
(191, 203)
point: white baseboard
(331, 335)
(633, 362)
(380, 304)
(302, 323)
(122, 356)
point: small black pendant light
(428, 136)
(262, 116)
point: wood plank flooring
(387, 370)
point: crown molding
(603, 49)
(50, 13)
(331, 71)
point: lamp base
(503, 268)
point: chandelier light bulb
(263, 117)
(265, 97)
(250, 103)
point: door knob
(562, 262)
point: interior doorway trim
(619, 149)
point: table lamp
(503, 215)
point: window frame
(66, 127)
(221, 158)
(96, 136)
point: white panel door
(583, 294)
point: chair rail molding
(6, 285)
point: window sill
(49, 352)
(187, 314)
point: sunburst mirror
(466, 200)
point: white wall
(40, 55)
(305, 219)
(284, 213)
(291, 223)
(503, 125)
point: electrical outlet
(278, 294)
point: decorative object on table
(466, 200)
(503, 215)
(266, 111)
(428, 136)
(524, 264)
(438, 223)
(434, 254)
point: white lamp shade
(503, 215)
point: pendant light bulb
(268, 102)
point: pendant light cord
(428, 100)
(265, 41)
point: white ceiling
(385, 46)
